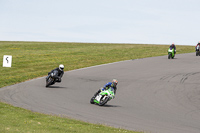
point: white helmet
(61, 67)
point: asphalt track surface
(155, 95)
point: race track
(155, 95)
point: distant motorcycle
(103, 97)
(171, 53)
(197, 51)
(51, 79)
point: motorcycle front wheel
(92, 100)
(169, 56)
(49, 81)
(103, 102)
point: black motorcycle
(51, 78)
(197, 51)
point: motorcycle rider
(112, 84)
(60, 73)
(197, 46)
(173, 46)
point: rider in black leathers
(197, 46)
(60, 73)
(173, 46)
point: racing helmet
(172, 44)
(61, 67)
(114, 82)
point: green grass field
(35, 59)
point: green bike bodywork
(103, 97)
(171, 53)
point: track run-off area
(155, 95)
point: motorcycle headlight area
(52, 74)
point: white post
(7, 60)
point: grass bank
(36, 59)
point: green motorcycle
(171, 53)
(103, 97)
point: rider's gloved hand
(103, 89)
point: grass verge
(14, 119)
(36, 59)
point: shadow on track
(56, 87)
(110, 105)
